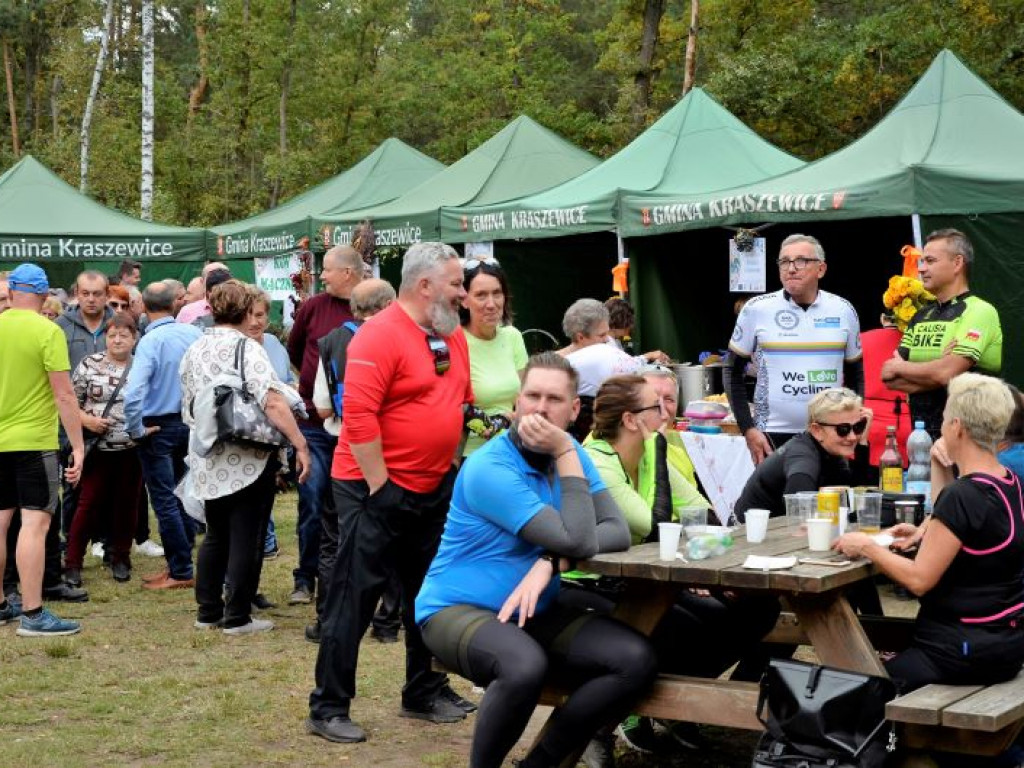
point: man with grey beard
(406, 380)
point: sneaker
(302, 595)
(448, 694)
(73, 576)
(272, 553)
(169, 582)
(253, 627)
(148, 548)
(313, 632)
(438, 711)
(66, 593)
(158, 576)
(218, 624)
(97, 549)
(46, 625)
(638, 734)
(384, 637)
(261, 603)
(12, 611)
(600, 751)
(121, 571)
(339, 729)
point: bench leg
(836, 633)
(939, 739)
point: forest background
(256, 100)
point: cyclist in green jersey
(958, 333)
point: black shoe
(261, 603)
(449, 695)
(72, 577)
(121, 571)
(337, 729)
(384, 637)
(313, 632)
(438, 711)
(66, 592)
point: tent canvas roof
(44, 217)
(384, 174)
(951, 145)
(522, 158)
(697, 146)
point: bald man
(317, 316)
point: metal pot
(696, 382)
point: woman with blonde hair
(967, 572)
(833, 450)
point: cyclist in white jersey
(803, 341)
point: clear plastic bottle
(919, 473)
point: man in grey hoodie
(85, 325)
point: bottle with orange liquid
(890, 464)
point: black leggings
(606, 664)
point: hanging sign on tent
(748, 266)
(274, 275)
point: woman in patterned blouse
(235, 481)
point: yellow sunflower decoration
(903, 297)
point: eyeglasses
(117, 304)
(844, 429)
(657, 406)
(799, 263)
(470, 264)
(442, 355)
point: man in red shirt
(406, 381)
(318, 316)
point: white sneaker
(149, 548)
(97, 549)
(254, 626)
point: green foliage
(444, 75)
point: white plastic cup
(668, 540)
(757, 525)
(689, 516)
(819, 534)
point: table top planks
(642, 562)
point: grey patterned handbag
(240, 419)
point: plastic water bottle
(919, 474)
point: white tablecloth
(723, 465)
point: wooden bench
(970, 719)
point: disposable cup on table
(795, 514)
(808, 501)
(689, 516)
(819, 534)
(668, 540)
(869, 516)
(757, 525)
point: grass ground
(141, 687)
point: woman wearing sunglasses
(833, 450)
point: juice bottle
(890, 464)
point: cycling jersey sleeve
(977, 330)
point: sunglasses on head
(844, 429)
(471, 264)
(440, 352)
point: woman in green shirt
(704, 633)
(497, 355)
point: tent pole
(915, 223)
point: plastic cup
(668, 540)
(869, 516)
(794, 514)
(757, 525)
(693, 516)
(819, 534)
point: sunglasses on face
(844, 429)
(440, 352)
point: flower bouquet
(903, 297)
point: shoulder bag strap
(240, 360)
(117, 389)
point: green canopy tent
(46, 221)
(390, 170)
(696, 146)
(949, 153)
(522, 158)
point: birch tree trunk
(11, 108)
(146, 203)
(90, 102)
(691, 48)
